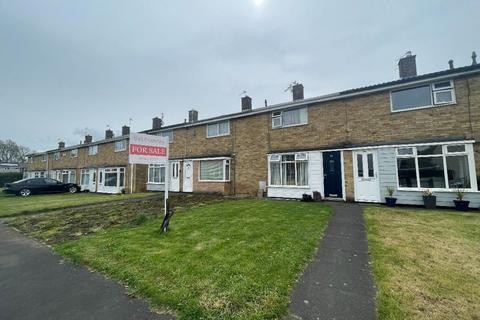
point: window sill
(292, 187)
(220, 135)
(120, 150)
(220, 181)
(156, 183)
(425, 107)
(437, 190)
(291, 126)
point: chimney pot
(474, 58)
(192, 116)
(407, 66)
(450, 64)
(297, 91)
(88, 138)
(157, 123)
(108, 134)
(246, 103)
(61, 145)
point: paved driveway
(36, 284)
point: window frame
(433, 98)
(226, 163)
(93, 147)
(159, 166)
(124, 143)
(444, 154)
(74, 153)
(279, 115)
(56, 155)
(277, 158)
(170, 135)
(217, 124)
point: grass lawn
(74, 223)
(426, 262)
(11, 205)
(235, 259)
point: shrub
(8, 177)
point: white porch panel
(315, 180)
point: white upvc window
(44, 157)
(288, 170)
(73, 153)
(289, 118)
(438, 167)
(56, 156)
(67, 176)
(120, 145)
(168, 134)
(423, 96)
(156, 173)
(214, 170)
(92, 150)
(218, 129)
(114, 177)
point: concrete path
(338, 284)
(36, 284)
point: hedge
(7, 177)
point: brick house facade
(338, 144)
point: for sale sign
(147, 149)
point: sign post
(150, 149)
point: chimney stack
(88, 138)
(297, 91)
(450, 64)
(108, 134)
(125, 130)
(474, 58)
(246, 103)
(192, 116)
(61, 145)
(407, 65)
(157, 123)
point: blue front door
(332, 174)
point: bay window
(214, 170)
(156, 173)
(435, 167)
(289, 169)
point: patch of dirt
(73, 223)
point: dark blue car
(27, 187)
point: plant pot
(390, 202)
(430, 202)
(461, 205)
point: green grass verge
(237, 259)
(426, 263)
(11, 205)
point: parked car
(27, 187)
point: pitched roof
(456, 72)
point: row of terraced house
(415, 133)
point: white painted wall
(315, 180)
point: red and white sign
(147, 149)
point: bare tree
(11, 152)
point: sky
(73, 67)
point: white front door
(88, 180)
(188, 176)
(174, 176)
(365, 170)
